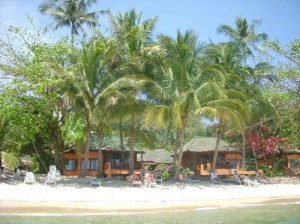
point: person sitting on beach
(134, 180)
(149, 179)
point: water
(278, 213)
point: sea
(248, 213)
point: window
(92, 164)
(295, 163)
(71, 165)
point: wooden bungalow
(291, 161)
(115, 162)
(198, 155)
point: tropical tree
(130, 37)
(91, 79)
(244, 34)
(285, 92)
(35, 91)
(70, 13)
(181, 86)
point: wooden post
(208, 166)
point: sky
(281, 18)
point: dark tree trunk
(40, 157)
(244, 152)
(215, 155)
(131, 144)
(121, 135)
(86, 148)
(100, 160)
(180, 152)
(255, 162)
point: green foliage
(276, 170)
(11, 160)
(73, 130)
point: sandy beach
(75, 195)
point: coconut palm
(130, 36)
(181, 86)
(70, 13)
(244, 34)
(93, 85)
(227, 57)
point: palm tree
(130, 36)
(231, 114)
(92, 86)
(181, 88)
(244, 34)
(70, 13)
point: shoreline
(76, 197)
(93, 208)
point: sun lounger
(134, 180)
(29, 178)
(149, 180)
(95, 182)
(51, 178)
(214, 178)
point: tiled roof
(207, 144)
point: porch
(204, 170)
(110, 169)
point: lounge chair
(52, 168)
(236, 177)
(191, 176)
(51, 178)
(29, 178)
(134, 180)
(149, 180)
(214, 178)
(95, 182)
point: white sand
(78, 196)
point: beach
(75, 196)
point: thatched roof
(207, 144)
(156, 156)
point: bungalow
(114, 162)
(198, 156)
(291, 161)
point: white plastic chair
(29, 178)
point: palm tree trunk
(100, 137)
(86, 148)
(180, 153)
(175, 158)
(0, 157)
(255, 162)
(215, 155)
(121, 135)
(244, 151)
(73, 34)
(131, 145)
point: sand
(75, 195)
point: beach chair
(29, 178)
(214, 178)
(52, 168)
(51, 178)
(191, 177)
(149, 180)
(236, 177)
(134, 180)
(95, 182)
